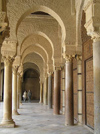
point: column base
(7, 124)
(79, 123)
(21, 103)
(40, 102)
(15, 112)
(66, 124)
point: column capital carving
(68, 58)
(92, 10)
(57, 68)
(96, 36)
(8, 60)
(15, 69)
(78, 57)
(50, 73)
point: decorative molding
(9, 48)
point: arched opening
(31, 82)
(44, 11)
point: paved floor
(35, 118)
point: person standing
(25, 96)
(29, 95)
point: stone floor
(36, 118)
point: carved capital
(68, 58)
(50, 73)
(8, 60)
(57, 68)
(92, 10)
(78, 57)
(15, 69)
(20, 69)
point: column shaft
(7, 116)
(63, 91)
(96, 69)
(69, 114)
(18, 90)
(2, 80)
(15, 91)
(50, 91)
(0, 76)
(56, 92)
(79, 76)
(46, 91)
(41, 92)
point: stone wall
(31, 82)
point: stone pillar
(96, 71)
(7, 116)
(56, 91)
(46, 91)
(18, 90)
(69, 113)
(79, 86)
(50, 91)
(2, 80)
(0, 76)
(63, 91)
(15, 91)
(41, 92)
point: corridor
(36, 118)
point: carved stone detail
(8, 60)
(68, 58)
(9, 48)
(15, 68)
(78, 57)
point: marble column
(79, 86)
(7, 115)
(41, 92)
(50, 91)
(96, 71)
(18, 90)
(46, 91)
(0, 75)
(2, 81)
(69, 113)
(56, 109)
(15, 112)
(63, 91)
